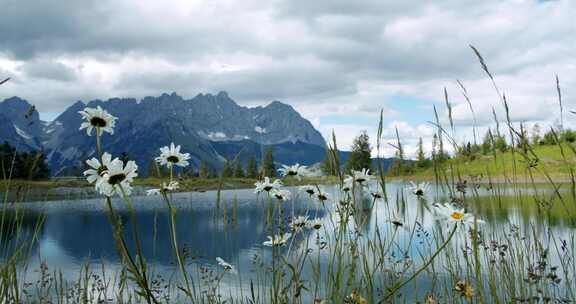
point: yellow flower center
(457, 215)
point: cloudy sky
(338, 62)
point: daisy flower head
(398, 222)
(315, 224)
(348, 182)
(452, 214)
(266, 185)
(362, 176)
(309, 189)
(281, 194)
(97, 118)
(171, 156)
(295, 171)
(171, 186)
(419, 189)
(97, 168)
(227, 266)
(298, 223)
(277, 240)
(322, 197)
(376, 195)
(118, 178)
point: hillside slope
(547, 160)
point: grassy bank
(544, 163)
(45, 190)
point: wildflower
(419, 189)
(172, 186)
(298, 223)
(266, 185)
(355, 298)
(347, 186)
(309, 189)
(398, 223)
(227, 266)
(117, 178)
(171, 156)
(362, 176)
(453, 214)
(97, 169)
(322, 197)
(277, 240)
(281, 195)
(314, 224)
(295, 170)
(430, 299)
(376, 195)
(97, 118)
(465, 289)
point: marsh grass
(349, 259)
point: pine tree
(500, 143)
(536, 137)
(238, 170)
(421, 162)
(268, 167)
(227, 170)
(252, 168)
(487, 143)
(204, 171)
(360, 156)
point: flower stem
(397, 287)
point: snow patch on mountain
(22, 133)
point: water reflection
(70, 236)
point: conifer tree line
(493, 141)
(22, 165)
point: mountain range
(212, 128)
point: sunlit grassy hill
(542, 162)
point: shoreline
(50, 190)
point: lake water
(76, 233)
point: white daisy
(298, 223)
(281, 194)
(314, 224)
(171, 156)
(398, 222)
(309, 189)
(97, 118)
(118, 178)
(227, 266)
(172, 186)
(277, 240)
(266, 185)
(362, 176)
(97, 169)
(376, 195)
(322, 197)
(347, 186)
(452, 214)
(419, 189)
(295, 170)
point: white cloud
(324, 57)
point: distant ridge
(206, 126)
